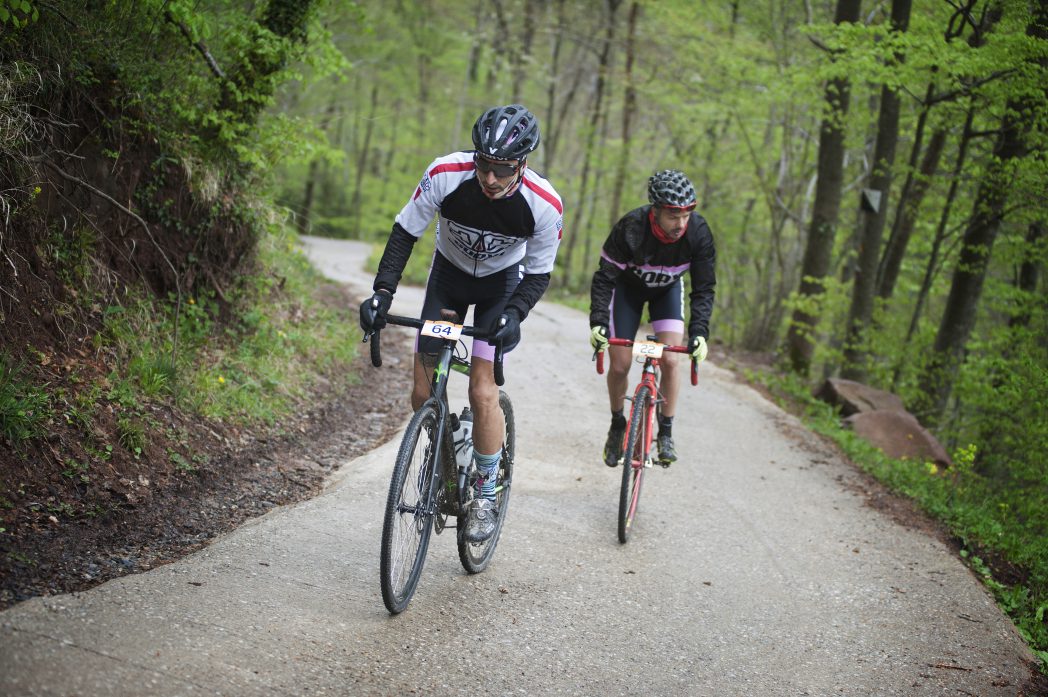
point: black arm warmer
(703, 282)
(528, 293)
(394, 259)
(601, 289)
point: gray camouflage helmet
(671, 188)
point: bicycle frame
(428, 485)
(642, 457)
(448, 331)
(639, 434)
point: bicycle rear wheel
(633, 461)
(475, 556)
(408, 520)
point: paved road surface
(755, 569)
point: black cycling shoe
(613, 446)
(667, 453)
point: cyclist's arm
(703, 281)
(540, 254)
(614, 255)
(410, 224)
(528, 292)
(394, 259)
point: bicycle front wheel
(475, 556)
(408, 521)
(634, 456)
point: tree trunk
(591, 138)
(629, 104)
(940, 231)
(1029, 271)
(550, 128)
(906, 214)
(888, 270)
(305, 217)
(362, 162)
(817, 253)
(936, 380)
(523, 61)
(861, 313)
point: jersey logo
(479, 245)
(655, 279)
(426, 184)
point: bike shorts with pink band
(452, 288)
(665, 308)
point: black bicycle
(428, 487)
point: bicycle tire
(634, 457)
(475, 556)
(408, 520)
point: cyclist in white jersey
(499, 224)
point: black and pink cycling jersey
(633, 259)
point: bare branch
(200, 46)
(968, 89)
(48, 6)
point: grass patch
(25, 408)
(255, 368)
(1002, 524)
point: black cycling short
(665, 308)
(451, 288)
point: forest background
(874, 174)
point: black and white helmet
(506, 133)
(671, 188)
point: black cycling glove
(506, 330)
(373, 311)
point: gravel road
(755, 568)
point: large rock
(898, 433)
(852, 397)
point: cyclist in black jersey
(642, 262)
(499, 225)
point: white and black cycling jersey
(480, 235)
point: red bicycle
(636, 443)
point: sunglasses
(499, 169)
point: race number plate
(441, 330)
(644, 349)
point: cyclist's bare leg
(620, 358)
(423, 372)
(669, 364)
(489, 424)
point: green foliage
(25, 408)
(1003, 518)
(131, 434)
(259, 369)
(18, 13)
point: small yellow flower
(221, 380)
(192, 302)
(932, 468)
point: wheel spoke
(633, 470)
(409, 514)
